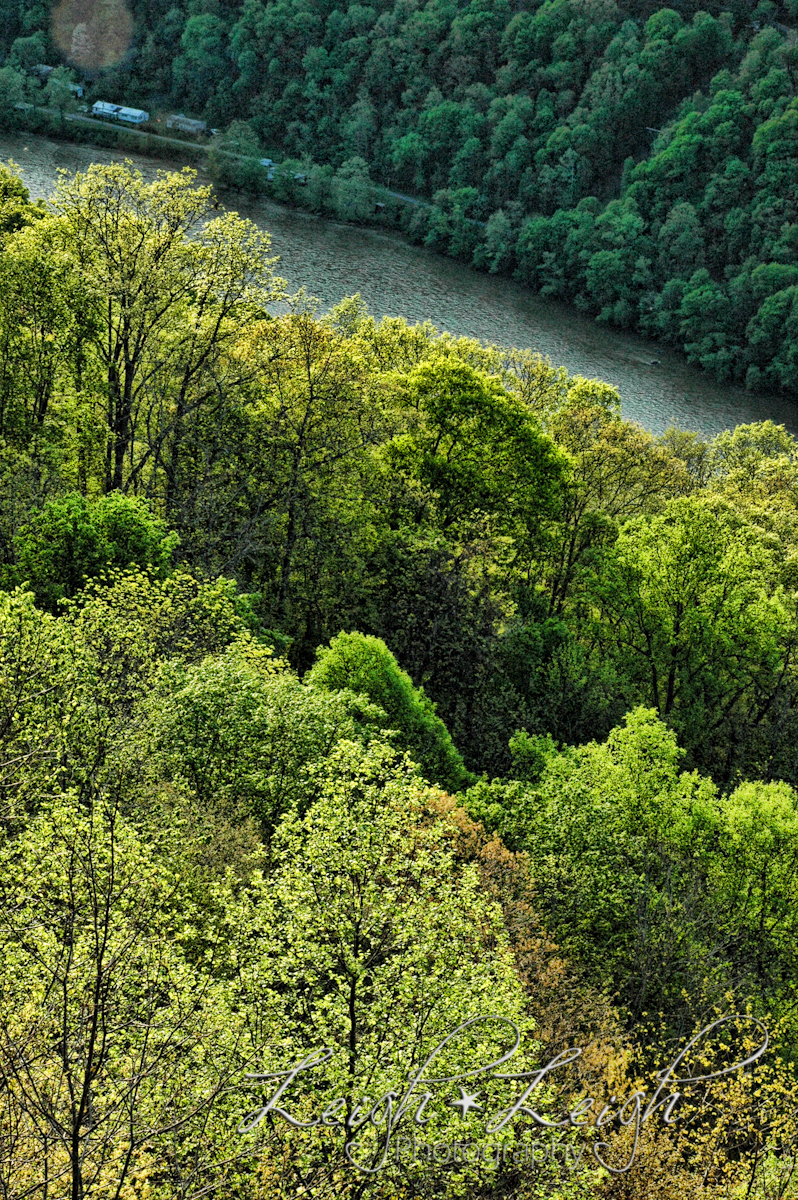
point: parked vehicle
(118, 112)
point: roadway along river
(332, 260)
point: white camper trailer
(117, 112)
(133, 116)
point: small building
(134, 116)
(117, 112)
(185, 124)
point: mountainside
(362, 687)
(639, 163)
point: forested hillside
(639, 163)
(357, 681)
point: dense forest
(640, 163)
(357, 681)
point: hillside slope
(639, 163)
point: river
(331, 260)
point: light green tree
(168, 287)
(42, 324)
(70, 686)
(115, 1046)
(380, 948)
(34, 658)
(243, 734)
(694, 611)
(364, 664)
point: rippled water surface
(332, 260)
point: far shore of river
(332, 258)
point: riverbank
(75, 128)
(333, 258)
(289, 184)
(346, 194)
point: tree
(59, 92)
(33, 662)
(351, 190)
(26, 52)
(315, 412)
(203, 60)
(472, 452)
(234, 157)
(115, 1045)
(243, 735)
(496, 253)
(12, 91)
(617, 471)
(691, 603)
(42, 324)
(365, 665)
(615, 834)
(380, 949)
(168, 289)
(16, 210)
(70, 686)
(70, 541)
(751, 876)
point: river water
(332, 260)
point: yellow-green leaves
(115, 1048)
(381, 947)
(690, 599)
(166, 287)
(474, 449)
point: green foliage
(34, 658)
(606, 826)
(16, 211)
(693, 601)
(190, 284)
(365, 665)
(391, 947)
(243, 734)
(475, 452)
(234, 157)
(72, 540)
(530, 755)
(116, 1047)
(651, 878)
(537, 591)
(527, 557)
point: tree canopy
(526, 131)
(390, 686)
